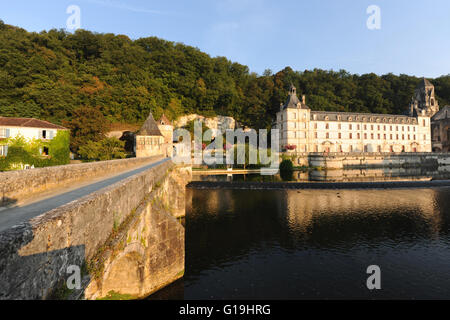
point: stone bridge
(118, 222)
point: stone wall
(16, 186)
(125, 239)
(376, 160)
(219, 122)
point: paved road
(15, 215)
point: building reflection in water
(346, 175)
(306, 208)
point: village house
(29, 129)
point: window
(44, 134)
(379, 136)
(371, 136)
(315, 125)
(339, 126)
(350, 136)
(359, 127)
(384, 136)
(350, 126)
(315, 135)
(328, 135)
(3, 151)
(339, 135)
(327, 126)
(359, 136)
(4, 133)
(44, 151)
(365, 135)
(365, 127)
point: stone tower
(166, 128)
(424, 101)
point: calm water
(315, 244)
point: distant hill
(49, 74)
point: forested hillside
(49, 75)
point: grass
(112, 295)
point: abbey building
(304, 130)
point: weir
(126, 239)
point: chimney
(303, 99)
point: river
(315, 244)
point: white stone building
(29, 129)
(304, 130)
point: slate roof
(362, 117)
(28, 123)
(425, 83)
(293, 101)
(442, 114)
(149, 128)
(164, 121)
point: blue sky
(302, 34)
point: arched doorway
(327, 147)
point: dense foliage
(105, 149)
(29, 152)
(49, 75)
(87, 124)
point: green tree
(106, 149)
(86, 125)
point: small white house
(28, 128)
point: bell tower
(424, 101)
